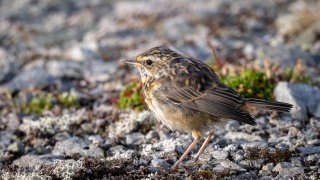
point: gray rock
(164, 149)
(232, 125)
(287, 169)
(235, 136)
(220, 155)
(135, 138)
(160, 163)
(314, 158)
(296, 162)
(206, 155)
(254, 144)
(292, 172)
(33, 161)
(310, 150)
(152, 136)
(5, 139)
(280, 166)
(315, 124)
(96, 140)
(239, 155)
(206, 167)
(7, 65)
(37, 77)
(77, 146)
(120, 152)
(218, 168)
(117, 149)
(16, 147)
(143, 162)
(233, 166)
(314, 142)
(268, 167)
(304, 98)
(252, 164)
(12, 121)
(87, 127)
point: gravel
(76, 47)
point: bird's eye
(149, 62)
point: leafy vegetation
(40, 103)
(132, 97)
(250, 83)
(37, 105)
(68, 100)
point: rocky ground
(65, 55)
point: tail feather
(267, 105)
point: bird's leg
(196, 135)
(203, 147)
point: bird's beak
(132, 63)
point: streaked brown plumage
(186, 95)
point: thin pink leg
(203, 147)
(185, 154)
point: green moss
(251, 84)
(132, 97)
(291, 76)
(37, 105)
(68, 100)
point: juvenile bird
(186, 95)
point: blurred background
(61, 59)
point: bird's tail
(258, 104)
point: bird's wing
(204, 92)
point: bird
(186, 95)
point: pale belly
(179, 118)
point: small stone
(31, 161)
(315, 123)
(218, 168)
(152, 135)
(232, 126)
(314, 142)
(268, 167)
(296, 162)
(160, 163)
(97, 140)
(239, 155)
(286, 169)
(280, 166)
(143, 162)
(231, 165)
(77, 146)
(206, 155)
(206, 167)
(135, 138)
(235, 136)
(252, 164)
(115, 149)
(293, 171)
(87, 127)
(310, 150)
(254, 144)
(314, 158)
(220, 155)
(16, 147)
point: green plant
(132, 97)
(291, 76)
(251, 83)
(68, 100)
(37, 105)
